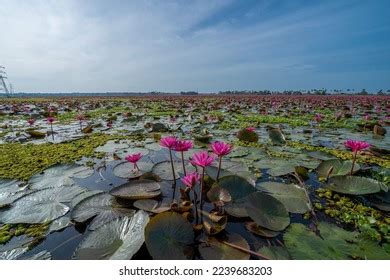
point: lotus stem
(195, 201)
(201, 192)
(182, 161)
(245, 250)
(219, 167)
(173, 168)
(81, 126)
(353, 161)
(52, 132)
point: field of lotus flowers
(195, 177)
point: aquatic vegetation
(156, 178)
(247, 135)
(18, 161)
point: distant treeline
(191, 93)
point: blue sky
(210, 45)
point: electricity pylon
(2, 80)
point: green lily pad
(102, 207)
(168, 236)
(275, 253)
(164, 169)
(40, 206)
(355, 185)
(138, 189)
(266, 211)
(334, 243)
(119, 239)
(59, 176)
(264, 232)
(293, 197)
(216, 249)
(335, 167)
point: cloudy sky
(209, 45)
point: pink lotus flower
(50, 120)
(251, 129)
(356, 145)
(168, 142)
(31, 121)
(133, 159)
(80, 117)
(202, 159)
(221, 149)
(318, 118)
(366, 117)
(191, 179)
(183, 145)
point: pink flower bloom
(50, 120)
(191, 179)
(202, 159)
(318, 117)
(366, 117)
(221, 149)
(251, 129)
(183, 145)
(80, 117)
(133, 158)
(168, 142)
(31, 121)
(356, 145)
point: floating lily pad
(217, 249)
(59, 176)
(41, 206)
(164, 169)
(119, 239)
(138, 189)
(11, 190)
(146, 204)
(168, 236)
(336, 167)
(103, 207)
(111, 147)
(275, 253)
(13, 254)
(236, 186)
(266, 211)
(293, 197)
(127, 170)
(218, 194)
(334, 243)
(264, 232)
(355, 185)
(60, 224)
